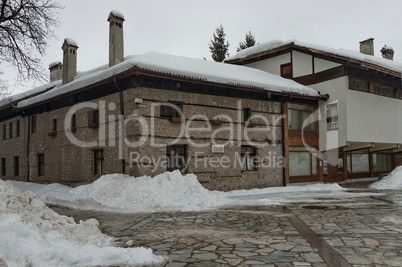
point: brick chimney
(116, 42)
(56, 71)
(69, 60)
(367, 47)
(387, 52)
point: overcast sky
(185, 27)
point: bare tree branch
(25, 29)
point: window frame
(313, 160)
(177, 156)
(41, 164)
(16, 166)
(3, 165)
(17, 128)
(33, 124)
(166, 110)
(248, 156)
(302, 108)
(285, 73)
(99, 160)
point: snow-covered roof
(265, 47)
(184, 67)
(30, 93)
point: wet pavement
(325, 231)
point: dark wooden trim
(322, 76)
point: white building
(360, 129)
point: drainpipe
(283, 142)
(28, 144)
(122, 143)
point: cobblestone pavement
(339, 232)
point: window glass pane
(314, 169)
(360, 163)
(299, 163)
(382, 162)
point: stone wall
(69, 154)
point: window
(176, 156)
(17, 129)
(300, 117)
(246, 114)
(399, 93)
(382, 161)
(358, 161)
(98, 162)
(4, 132)
(41, 164)
(93, 119)
(3, 167)
(33, 124)
(54, 125)
(383, 90)
(74, 121)
(302, 162)
(332, 117)
(286, 71)
(10, 130)
(358, 85)
(171, 110)
(16, 166)
(249, 160)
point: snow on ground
(170, 191)
(33, 235)
(391, 181)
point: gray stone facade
(69, 158)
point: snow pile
(391, 181)
(169, 191)
(33, 235)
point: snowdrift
(169, 191)
(391, 181)
(33, 235)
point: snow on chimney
(367, 47)
(387, 52)
(56, 71)
(69, 60)
(116, 43)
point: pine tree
(218, 47)
(248, 42)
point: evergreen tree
(219, 47)
(248, 42)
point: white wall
(321, 65)
(373, 118)
(337, 90)
(271, 65)
(302, 64)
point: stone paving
(357, 232)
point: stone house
(143, 115)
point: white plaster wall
(272, 65)
(321, 65)
(373, 118)
(336, 89)
(302, 64)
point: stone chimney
(367, 47)
(69, 60)
(116, 42)
(56, 71)
(387, 52)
